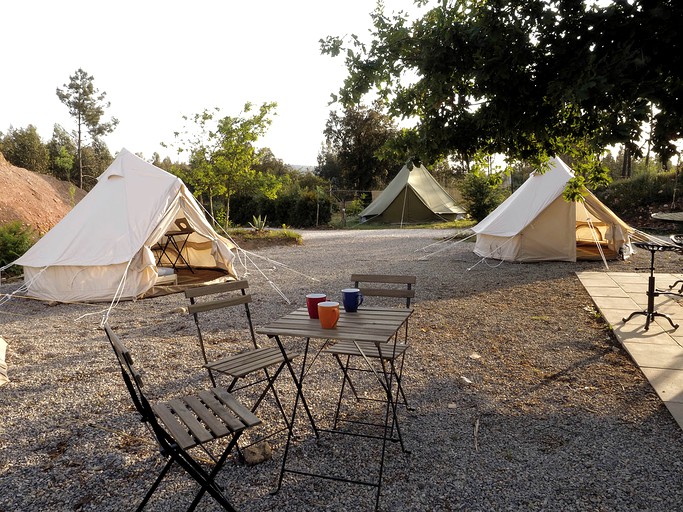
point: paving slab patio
(658, 351)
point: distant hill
(36, 200)
(304, 168)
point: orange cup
(328, 312)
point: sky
(158, 60)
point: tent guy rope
(23, 288)
(445, 243)
(247, 257)
(595, 238)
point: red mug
(312, 301)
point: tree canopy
(86, 105)
(358, 152)
(524, 77)
(24, 148)
(222, 155)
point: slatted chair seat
(371, 350)
(241, 365)
(181, 424)
(197, 419)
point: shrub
(300, 209)
(307, 208)
(625, 195)
(15, 240)
(482, 193)
(258, 224)
(356, 206)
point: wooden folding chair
(266, 362)
(390, 356)
(183, 424)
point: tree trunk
(227, 212)
(211, 206)
(80, 159)
(626, 164)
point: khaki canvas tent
(412, 196)
(536, 223)
(103, 249)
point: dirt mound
(34, 199)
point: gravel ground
(523, 399)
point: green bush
(356, 206)
(15, 240)
(625, 195)
(307, 207)
(482, 193)
(258, 224)
(299, 209)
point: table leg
(163, 253)
(179, 250)
(652, 292)
(650, 316)
(298, 382)
(650, 300)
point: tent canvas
(413, 196)
(536, 223)
(102, 249)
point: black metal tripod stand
(652, 292)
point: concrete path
(658, 352)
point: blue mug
(352, 298)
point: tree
(23, 147)
(99, 157)
(358, 154)
(15, 240)
(166, 164)
(62, 152)
(86, 105)
(481, 190)
(268, 162)
(222, 155)
(525, 78)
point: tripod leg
(675, 326)
(633, 314)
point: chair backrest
(386, 285)
(219, 296)
(133, 381)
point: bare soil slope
(35, 199)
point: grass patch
(253, 239)
(354, 223)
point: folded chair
(265, 362)
(186, 423)
(354, 356)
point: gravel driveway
(523, 399)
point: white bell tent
(536, 223)
(102, 249)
